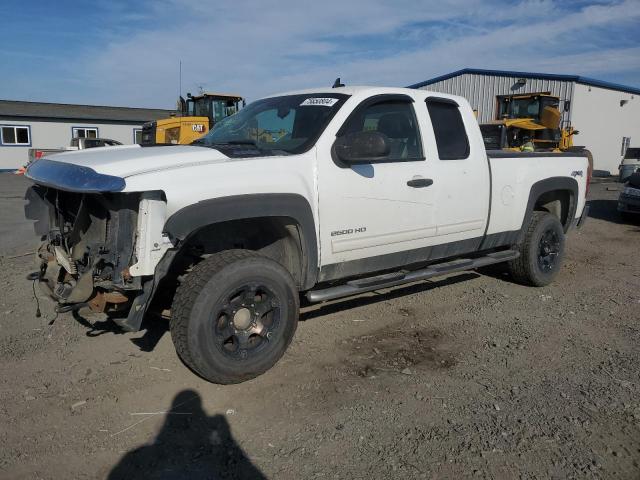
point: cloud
(259, 47)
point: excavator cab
(214, 106)
(531, 106)
(536, 117)
(196, 116)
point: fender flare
(189, 219)
(549, 185)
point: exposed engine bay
(88, 246)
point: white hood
(127, 160)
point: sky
(128, 53)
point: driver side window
(394, 119)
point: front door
(375, 212)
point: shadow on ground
(154, 329)
(157, 326)
(608, 210)
(191, 445)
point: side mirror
(362, 147)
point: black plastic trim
(188, 220)
(367, 102)
(415, 257)
(501, 239)
(550, 185)
(141, 303)
(486, 228)
(145, 145)
(442, 100)
(579, 223)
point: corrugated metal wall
(481, 91)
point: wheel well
(278, 238)
(275, 237)
(558, 203)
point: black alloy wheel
(541, 251)
(246, 321)
(549, 250)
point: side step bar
(401, 277)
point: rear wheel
(541, 252)
(234, 315)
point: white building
(25, 125)
(607, 115)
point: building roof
(543, 76)
(19, 109)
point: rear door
(458, 160)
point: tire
(541, 252)
(234, 315)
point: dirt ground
(465, 376)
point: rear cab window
(448, 127)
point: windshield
(529, 107)
(525, 107)
(277, 125)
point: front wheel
(541, 252)
(234, 315)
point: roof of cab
(366, 90)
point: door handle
(419, 182)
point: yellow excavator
(196, 115)
(528, 122)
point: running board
(387, 280)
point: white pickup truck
(325, 193)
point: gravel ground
(468, 376)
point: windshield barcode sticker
(323, 102)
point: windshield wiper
(247, 141)
(201, 141)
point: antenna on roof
(180, 80)
(337, 83)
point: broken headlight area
(88, 246)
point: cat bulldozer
(195, 117)
(530, 122)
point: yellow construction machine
(528, 122)
(196, 115)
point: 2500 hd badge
(348, 231)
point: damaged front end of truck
(93, 234)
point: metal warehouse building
(607, 115)
(25, 125)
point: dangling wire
(38, 312)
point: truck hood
(128, 160)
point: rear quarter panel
(514, 176)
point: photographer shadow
(190, 445)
